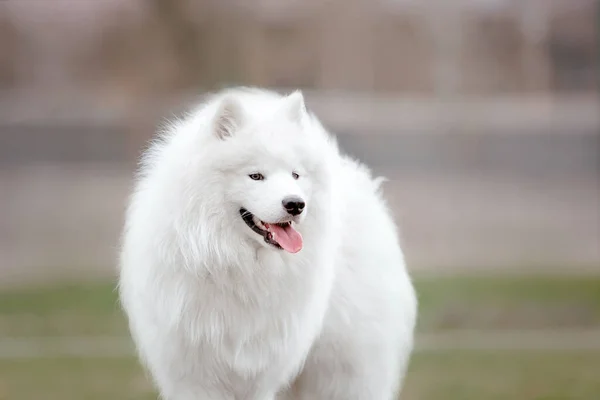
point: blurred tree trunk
(185, 36)
(9, 49)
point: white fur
(218, 314)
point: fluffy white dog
(259, 263)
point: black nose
(293, 205)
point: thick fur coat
(259, 263)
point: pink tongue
(288, 238)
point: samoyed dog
(260, 263)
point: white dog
(258, 263)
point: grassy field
(449, 304)
(452, 375)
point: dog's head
(271, 163)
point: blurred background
(484, 115)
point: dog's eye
(256, 177)
(295, 175)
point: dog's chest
(266, 302)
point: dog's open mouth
(281, 234)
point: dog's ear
(294, 106)
(228, 118)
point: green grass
(478, 375)
(500, 302)
(98, 299)
(452, 375)
(490, 303)
(508, 302)
(91, 309)
(74, 379)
